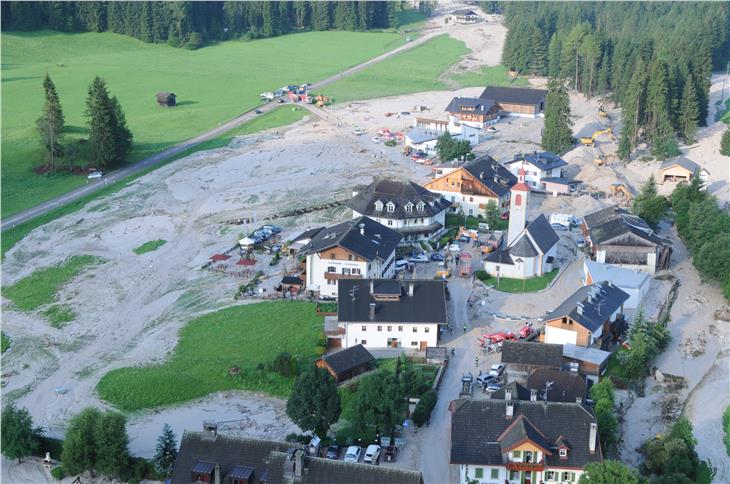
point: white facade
(560, 336)
(519, 198)
(523, 267)
(500, 475)
(415, 336)
(404, 225)
(469, 204)
(319, 268)
(633, 282)
(533, 174)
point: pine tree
(689, 111)
(557, 136)
(166, 451)
(657, 101)
(633, 114)
(392, 9)
(321, 15)
(109, 136)
(79, 444)
(604, 73)
(50, 124)
(554, 56)
(147, 33)
(268, 27)
(314, 403)
(123, 135)
(538, 60)
(648, 204)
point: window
(364, 328)
(478, 472)
(390, 222)
(201, 477)
(346, 271)
(568, 476)
(391, 207)
(549, 475)
(332, 256)
(426, 329)
(331, 269)
(471, 199)
(414, 343)
(420, 206)
(349, 256)
(409, 207)
(517, 454)
(528, 456)
(400, 329)
(513, 475)
(563, 452)
(331, 282)
(415, 329)
(494, 474)
(356, 271)
(380, 328)
(390, 328)
(364, 342)
(379, 206)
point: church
(530, 247)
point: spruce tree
(112, 456)
(648, 204)
(321, 15)
(50, 124)
(538, 61)
(79, 444)
(109, 136)
(557, 136)
(392, 10)
(604, 73)
(314, 403)
(166, 451)
(633, 114)
(554, 56)
(689, 111)
(725, 143)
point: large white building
(380, 313)
(404, 206)
(538, 167)
(355, 249)
(633, 282)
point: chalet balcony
(525, 466)
(331, 276)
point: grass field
(491, 75)
(240, 336)
(4, 342)
(271, 119)
(149, 246)
(518, 285)
(41, 287)
(213, 84)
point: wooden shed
(347, 363)
(166, 99)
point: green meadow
(213, 84)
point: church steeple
(519, 197)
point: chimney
(372, 311)
(510, 411)
(533, 395)
(592, 438)
(410, 289)
(298, 463)
(508, 395)
(579, 308)
(372, 286)
(578, 399)
(481, 175)
(217, 474)
(362, 228)
(210, 429)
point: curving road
(117, 175)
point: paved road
(117, 175)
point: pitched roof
(522, 248)
(581, 353)
(400, 193)
(421, 135)
(348, 359)
(474, 105)
(682, 161)
(621, 277)
(532, 353)
(500, 257)
(518, 432)
(591, 305)
(427, 305)
(328, 471)
(464, 11)
(514, 95)
(545, 160)
(485, 169)
(476, 426)
(306, 235)
(542, 233)
(377, 242)
(517, 392)
(566, 385)
(611, 222)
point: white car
(353, 454)
(375, 140)
(401, 264)
(496, 370)
(94, 175)
(372, 453)
(420, 258)
(454, 248)
(491, 129)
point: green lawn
(614, 367)
(4, 342)
(723, 112)
(59, 314)
(271, 119)
(213, 84)
(149, 246)
(518, 285)
(490, 75)
(240, 336)
(41, 287)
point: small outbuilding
(437, 355)
(347, 363)
(681, 169)
(166, 99)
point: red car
(505, 216)
(499, 337)
(526, 331)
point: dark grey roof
(682, 161)
(349, 359)
(598, 302)
(485, 168)
(520, 430)
(500, 257)
(522, 248)
(532, 353)
(400, 193)
(542, 233)
(517, 392)
(514, 95)
(420, 135)
(544, 160)
(228, 452)
(612, 222)
(566, 386)
(328, 471)
(378, 241)
(427, 305)
(307, 234)
(476, 426)
(464, 11)
(475, 105)
(296, 280)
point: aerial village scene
(365, 242)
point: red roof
(219, 257)
(246, 262)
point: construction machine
(621, 190)
(323, 101)
(602, 112)
(602, 160)
(591, 141)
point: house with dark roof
(471, 186)
(615, 236)
(389, 313)
(520, 441)
(538, 166)
(517, 101)
(633, 282)
(465, 16)
(358, 248)
(205, 457)
(591, 315)
(524, 357)
(404, 206)
(422, 139)
(681, 169)
(549, 384)
(590, 362)
(473, 111)
(347, 363)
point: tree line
(193, 23)
(653, 59)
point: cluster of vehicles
(562, 221)
(491, 381)
(284, 90)
(264, 233)
(371, 454)
(492, 342)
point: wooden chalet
(347, 363)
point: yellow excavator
(621, 190)
(602, 160)
(602, 112)
(591, 140)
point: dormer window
(391, 207)
(203, 471)
(563, 452)
(379, 206)
(409, 207)
(420, 206)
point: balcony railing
(525, 466)
(333, 275)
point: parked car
(526, 331)
(258, 111)
(273, 228)
(485, 378)
(497, 369)
(401, 264)
(493, 388)
(353, 454)
(580, 243)
(454, 248)
(95, 175)
(372, 454)
(375, 140)
(333, 452)
(437, 257)
(491, 129)
(558, 227)
(419, 259)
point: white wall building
(537, 166)
(633, 282)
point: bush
(284, 364)
(195, 41)
(424, 408)
(726, 426)
(482, 276)
(725, 143)
(58, 473)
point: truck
(269, 96)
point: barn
(347, 363)
(166, 99)
(517, 101)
